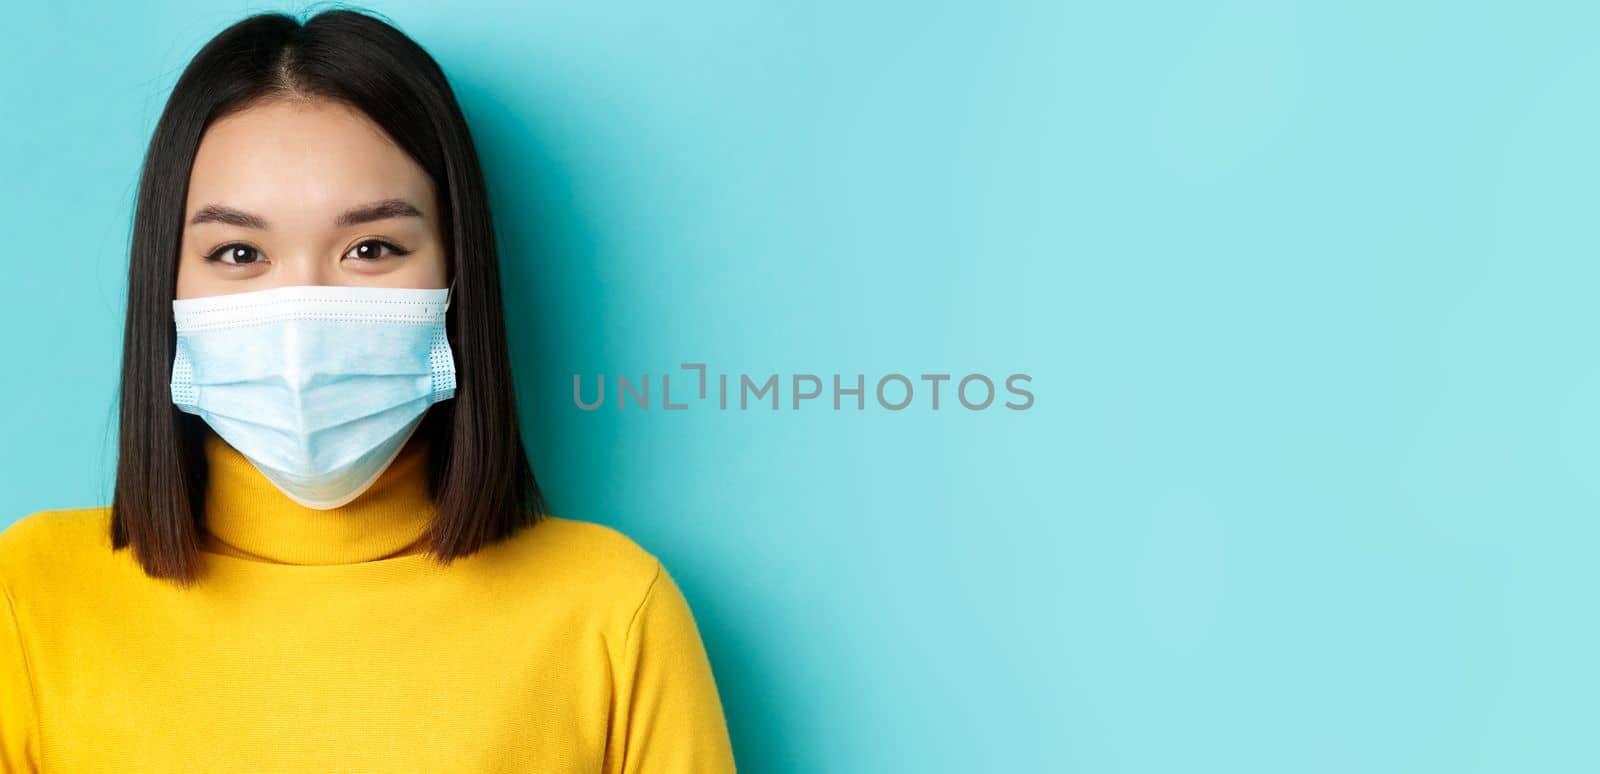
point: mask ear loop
(449, 293)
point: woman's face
(306, 193)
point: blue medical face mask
(319, 386)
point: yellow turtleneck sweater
(325, 641)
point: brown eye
(237, 254)
(373, 250)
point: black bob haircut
(482, 485)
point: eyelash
(394, 251)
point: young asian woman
(326, 549)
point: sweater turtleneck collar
(246, 516)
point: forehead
(302, 158)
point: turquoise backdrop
(1306, 291)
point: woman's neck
(246, 516)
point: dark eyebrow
(355, 216)
(217, 213)
(366, 213)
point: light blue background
(1306, 289)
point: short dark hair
(479, 476)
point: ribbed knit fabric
(326, 641)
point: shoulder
(583, 561)
(54, 551)
(585, 550)
(566, 540)
(54, 538)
